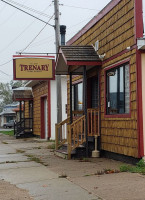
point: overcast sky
(18, 30)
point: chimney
(62, 33)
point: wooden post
(98, 123)
(20, 110)
(56, 137)
(24, 110)
(85, 105)
(69, 141)
(70, 84)
(99, 105)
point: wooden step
(62, 152)
(24, 134)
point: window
(77, 96)
(118, 90)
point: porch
(83, 122)
(23, 126)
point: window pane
(121, 90)
(127, 90)
(77, 96)
(80, 96)
(118, 90)
(112, 103)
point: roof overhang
(32, 83)
(74, 58)
(22, 94)
(141, 43)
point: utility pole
(58, 77)
(57, 27)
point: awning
(22, 94)
(73, 58)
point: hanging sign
(33, 68)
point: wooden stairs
(70, 139)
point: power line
(28, 8)
(10, 16)
(4, 22)
(78, 7)
(20, 33)
(28, 13)
(36, 36)
(41, 42)
(2, 9)
(4, 73)
(5, 63)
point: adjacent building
(8, 113)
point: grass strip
(11, 132)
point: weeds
(4, 142)
(63, 175)
(36, 147)
(51, 141)
(52, 146)
(84, 160)
(104, 171)
(139, 168)
(35, 159)
(8, 162)
(19, 151)
(89, 174)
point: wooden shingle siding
(26, 109)
(115, 32)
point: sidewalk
(31, 165)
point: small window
(118, 90)
(77, 96)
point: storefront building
(106, 81)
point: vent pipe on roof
(62, 33)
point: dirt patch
(11, 192)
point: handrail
(76, 134)
(61, 129)
(23, 125)
(63, 122)
(61, 133)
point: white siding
(54, 103)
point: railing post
(69, 141)
(56, 137)
(14, 128)
(98, 123)
(85, 105)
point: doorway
(93, 92)
(44, 118)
